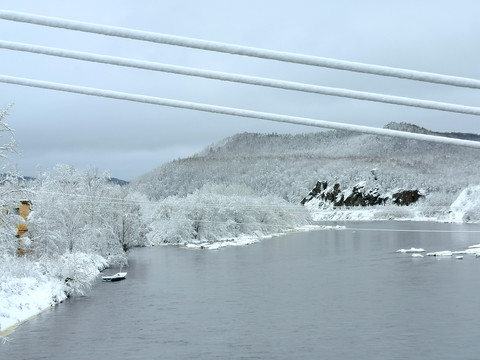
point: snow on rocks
(417, 255)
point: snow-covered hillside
(289, 166)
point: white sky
(129, 139)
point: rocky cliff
(359, 195)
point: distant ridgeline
(325, 196)
(3, 176)
(420, 130)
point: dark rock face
(406, 197)
(362, 197)
(320, 192)
(358, 196)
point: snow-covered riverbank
(247, 240)
(24, 297)
(29, 287)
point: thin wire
(233, 111)
(238, 78)
(239, 49)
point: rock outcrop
(406, 197)
(359, 195)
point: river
(333, 294)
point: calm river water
(336, 294)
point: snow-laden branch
(232, 111)
(251, 80)
(10, 146)
(239, 49)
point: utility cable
(239, 49)
(233, 111)
(238, 78)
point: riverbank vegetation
(217, 213)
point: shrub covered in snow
(219, 212)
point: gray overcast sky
(129, 139)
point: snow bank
(370, 213)
(27, 287)
(24, 297)
(466, 208)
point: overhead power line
(238, 78)
(232, 111)
(239, 49)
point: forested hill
(290, 165)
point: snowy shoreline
(247, 240)
(11, 328)
(401, 214)
(27, 288)
(26, 297)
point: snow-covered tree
(220, 212)
(11, 190)
(80, 217)
(126, 220)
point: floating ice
(411, 250)
(440, 253)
